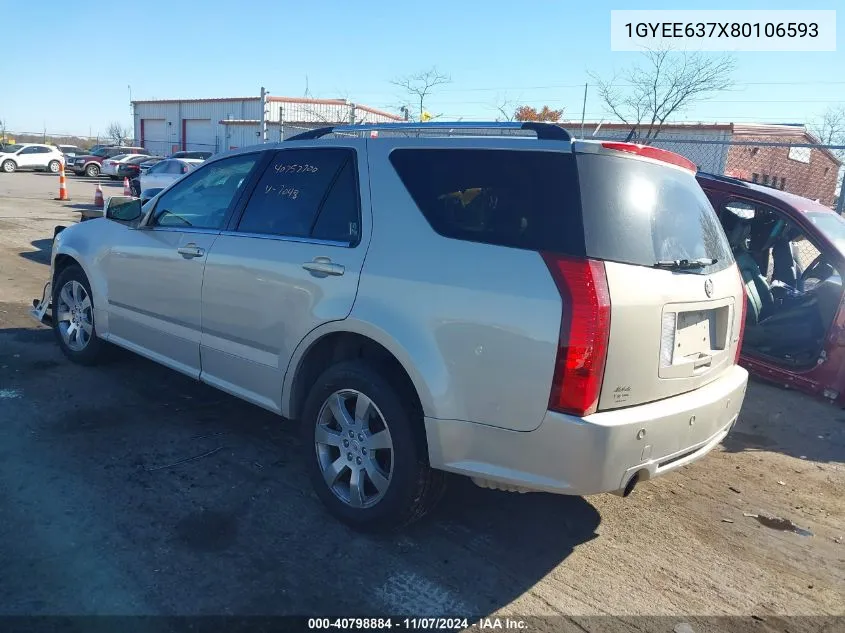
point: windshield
(831, 225)
(12, 148)
(99, 152)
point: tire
(396, 484)
(135, 188)
(84, 347)
(92, 170)
(9, 166)
(53, 167)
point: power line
(619, 83)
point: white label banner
(723, 30)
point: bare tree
(830, 128)
(418, 87)
(117, 132)
(505, 107)
(645, 96)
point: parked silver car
(535, 313)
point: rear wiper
(685, 264)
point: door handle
(323, 266)
(190, 250)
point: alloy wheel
(354, 448)
(74, 316)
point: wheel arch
(69, 256)
(347, 340)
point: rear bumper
(599, 453)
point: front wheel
(366, 450)
(92, 171)
(9, 166)
(73, 318)
(53, 167)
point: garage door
(200, 135)
(154, 136)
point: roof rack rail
(544, 131)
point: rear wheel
(366, 451)
(73, 318)
(53, 167)
(9, 166)
(92, 170)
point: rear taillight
(743, 312)
(655, 153)
(584, 332)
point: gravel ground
(98, 517)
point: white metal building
(169, 125)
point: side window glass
(291, 192)
(204, 197)
(338, 220)
(28, 150)
(174, 167)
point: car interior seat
(772, 328)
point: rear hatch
(675, 296)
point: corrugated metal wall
(174, 112)
(340, 112)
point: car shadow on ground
(789, 422)
(212, 498)
(42, 255)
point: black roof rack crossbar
(544, 131)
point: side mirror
(123, 209)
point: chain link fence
(804, 169)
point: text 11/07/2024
(418, 624)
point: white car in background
(166, 172)
(110, 165)
(30, 156)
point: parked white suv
(533, 313)
(30, 156)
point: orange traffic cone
(62, 184)
(127, 190)
(98, 197)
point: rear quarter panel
(479, 323)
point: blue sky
(176, 48)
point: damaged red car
(791, 253)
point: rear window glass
(639, 212)
(635, 212)
(523, 199)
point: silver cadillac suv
(498, 301)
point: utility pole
(583, 110)
(263, 115)
(351, 113)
